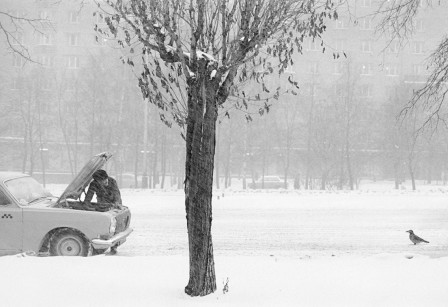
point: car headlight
(113, 225)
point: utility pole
(145, 137)
(145, 146)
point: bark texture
(200, 144)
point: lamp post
(145, 170)
(44, 158)
(146, 182)
(145, 146)
(145, 136)
(246, 156)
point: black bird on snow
(414, 238)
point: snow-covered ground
(275, 248)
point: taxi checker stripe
(6, 216)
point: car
(270, 182)
(33, 220)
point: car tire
(68, 243)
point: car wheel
(68, 243)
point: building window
(418, 47)
(338, 90)
(366, 3)
(45, 39)
(73, 39)
(391, 70)
(393, 47)
(366, 46)
(419, 27)
(340, 24)
(20, 15)
(100, 41)
(73, 62)
(46, 84)
(310, 89)
(74, 17)
(18, 60)
(16, 83)
(338, 68)
(44, 15)
(46, 61)
(313, 68)
(17, 39)
(366, 69)
(70, 84)
(340, 45)
(313, 45)
(418, 69)
(366, 90)
(365, 24)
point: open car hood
(83, 178)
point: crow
(414, 238)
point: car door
(11, 233)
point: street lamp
(145, 179)
(246, 156)
(145, 135)
(145, 176)
(44, 159)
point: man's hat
(100, 175)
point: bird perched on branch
(414, 238)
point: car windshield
(26, 190)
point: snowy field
(275, 248)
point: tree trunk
(323, 183)
(263, 155)
(287, 154)
(92, 127)
(348, 130)
(76, 124)
(341, 171)
(41, 145)
(228, 176)
(308, 146)
(397, 176)
(25, 148)
(163, 159)
(411, 173)
(217, 158)
(63, 126)
(200, 151)
(31, 138)
(349, 165)
(155, 154)
(136, 166)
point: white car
(33, 220)
(268, 182)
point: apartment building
(357, 53)
(358, 63)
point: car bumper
(118, 239)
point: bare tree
(326, 141)
(310, 132)
(398, 21)
(196, 54)
(12, 27)
(398, 17)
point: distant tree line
(324, 138)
